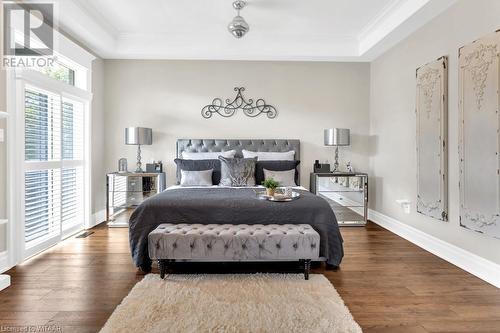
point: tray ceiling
(311, 30)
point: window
(60, 72)
(63, 69)
(54, 157)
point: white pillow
(196, 178)
(284, 178)
(270, 156)
(208, 155)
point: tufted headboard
(260, 145)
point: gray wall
(392, 119)
(168, 96)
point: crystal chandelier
(238, 27)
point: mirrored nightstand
(347, 194)
(128, 190)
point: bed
(230, 205)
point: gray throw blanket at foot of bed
(232, 206)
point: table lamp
(138, 136)
(337, 137)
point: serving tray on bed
(277, 198)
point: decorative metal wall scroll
(239, 103)
(431, 111)
(479, 141)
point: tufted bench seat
(228, 242)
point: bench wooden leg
(162, 265)
(307, 268)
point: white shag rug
(232, 303)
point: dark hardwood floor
(388, 284)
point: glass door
(53, 168)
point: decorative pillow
(270, 156)
(275, 166)
(284, 178)
(196, 178)
(207, 155)
(198, 165)
(237, 171)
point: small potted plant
(270, 184)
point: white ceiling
(337, 30)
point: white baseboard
(470, 262)
(4, 262)
(4, 282)
(98, 217)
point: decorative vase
(270, 192)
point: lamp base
(336, 164)
(139, 164)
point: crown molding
(379, 19)
(83, 24)
(396, 22)
(97, 16)
(319, 48)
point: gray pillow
(237, 172)
(196, 178)
(275, 166)
(198, 165)
(284, 178)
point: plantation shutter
(73, 121)
(42, 144)
(42, 204)
(54, 165)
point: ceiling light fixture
(238, 27)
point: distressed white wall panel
(479, 144)
(432, 120)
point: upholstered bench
(228, 242)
